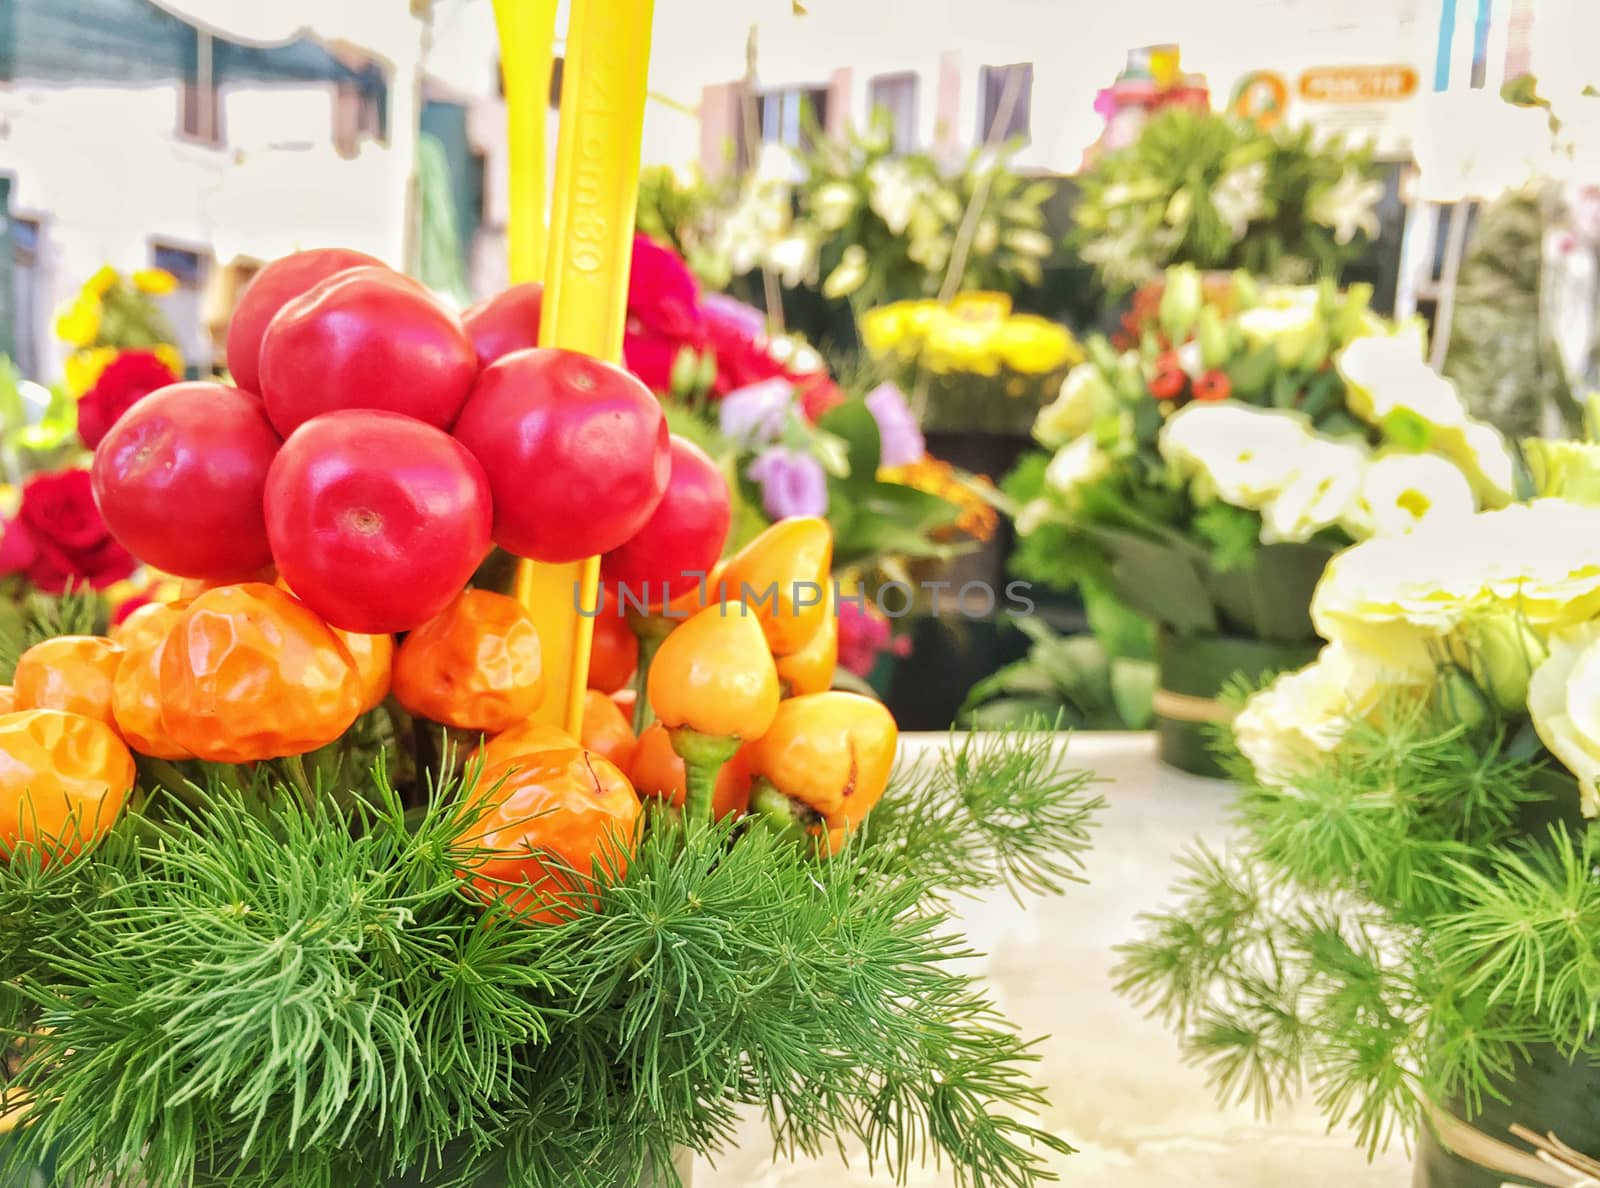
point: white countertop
(1117, 1088)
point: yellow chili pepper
(824, 763)
(783, 575)
(713, 685)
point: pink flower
(864, 635)
(793, 483)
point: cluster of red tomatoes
(375, 444)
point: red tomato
(575, 449)
(179, 480)
(279, 282)
(376, 520)
(614, 654)
(680, 542)
(506, 322)
(366, 338)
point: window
(779, 115)
(894, 97)
(184, 305)
(200, 102)
(27, 287)
(557, 72)
(1007, 103)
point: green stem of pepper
(643, 715)
(782, 815)
(703, 756)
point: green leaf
(853, 423)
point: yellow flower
(83, 368)
(1564, 702)
(10, 500)
(156, 281)
(79, 323)
(104, 279)
(888, 329)
(958, 345)
(1035, 346)
(169, 355)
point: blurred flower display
(1221, 193)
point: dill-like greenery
(268, 990)
(41, 616)
(1390, 931)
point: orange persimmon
(71, 673)
(475, 665)
(63, 779)
(250, 673)
(544, 822)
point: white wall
(1077, 47)
(104, 172)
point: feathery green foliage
(41, 616)
(1397, 928)
(274, 988)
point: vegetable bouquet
(303, 883)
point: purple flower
(756, 415)
(899, 436)
(792, 483)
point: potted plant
(1204, 474)
(1402, 926)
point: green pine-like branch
(280, 988)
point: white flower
(1288, 319)
(1033, 514)
(795, 259)
(1292, 724)
(1486, 457)
(1347, 207)
(1076, 465)
(1326, 484)
(1084, 395)
(1400, 491)
(1239, 196)
(1237, 453)
(1026, 241)
(894, 191)
(833, 204)
(1564, 702)
(849, 276)
(1387, 373)
(1407, 597)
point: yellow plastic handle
(527, 30)
(586, 284)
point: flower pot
(1191, 673)
(1547, 1095)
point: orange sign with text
(1358, 84)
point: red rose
(127, 379)
(650, 357)
(738, 335)
(817, 394)
(663, 296)
(58, 536)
